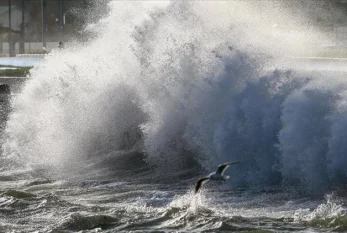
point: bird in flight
(218, 175)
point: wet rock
(5, 89)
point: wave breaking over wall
(186, 80)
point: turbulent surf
(112, 134)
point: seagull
(218, 175)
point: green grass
(19, 72)
(10, 66)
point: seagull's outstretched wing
(200, 183)
(224, 166)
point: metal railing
(11, 50)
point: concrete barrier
(311, 64)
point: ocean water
(111, 135)
(33, 60)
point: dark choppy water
(64, 206)
(139, 200)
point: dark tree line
(77, 14)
